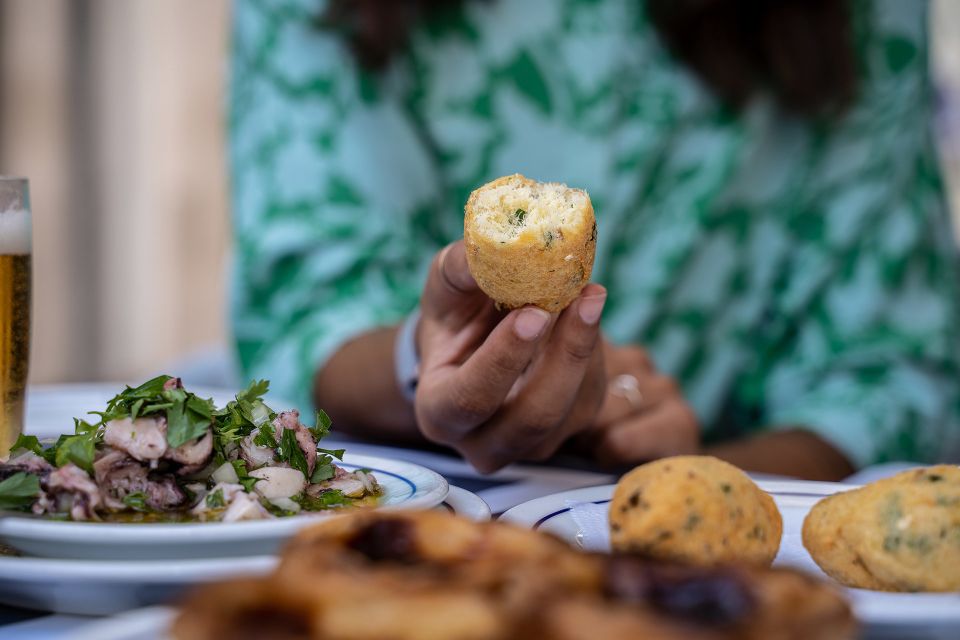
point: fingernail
(530, 323)
(591, 308)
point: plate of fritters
(886, 543)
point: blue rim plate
(918, 615)
(96, 587)
(406, 486)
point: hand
(643, 421)
(504, 387)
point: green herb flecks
(78, 449)
(266, 437)
(244, 414)
(323, 424)
(324, 470)
(215, 500)
(27, 443)
(244, 477)
(518, 217)
(324, 500)
(188, 416)
(547, 239)
(19, 491)
(136, 501)
(289, 451)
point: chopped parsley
(244, 414)
(136, 501)
(289, 451)
(244, 477)
(324, 469)
(324, 500)
(215, 500)
(78, 449)
(266, 437)
(19, 491)
(28, 443)
(188, 416)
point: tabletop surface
(504, 489)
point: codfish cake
(530, 242)
(694, 509)
(897, 534)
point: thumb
(450, 291)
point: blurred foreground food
(428, 575)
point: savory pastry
(432, 576)
(897, 534)
(530, 242)
(644, 599)
(694, 509)
(407, 550)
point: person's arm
(653, 420)
(794, 452)
(358, 385)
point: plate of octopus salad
(163, 473)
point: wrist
(406, 356)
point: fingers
(461, 398)
(451, 294)
(619, 405)
(669, 429)
(557, 398)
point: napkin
(591, 520)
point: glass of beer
(15, 241)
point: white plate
(95, 587)
(405, 485)
(918, 615)
(464, 503)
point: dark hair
(801, 51)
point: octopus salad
(159, 453)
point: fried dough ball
(530, 242)
(697, 510)
(897, 534)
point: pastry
(529, 242)
(694, 509)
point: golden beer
(14, 308)
(14, 345)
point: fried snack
(644, 599)
(530, 242)
(897, 534)
(409, 551)
(432, 576)
(694, 509)
(242, 609)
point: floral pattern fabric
(786, 272)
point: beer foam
(15, 232)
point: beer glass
(15, 240)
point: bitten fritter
(530, 242)
(897, 534)
(697, 510)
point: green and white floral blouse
(786, 273)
